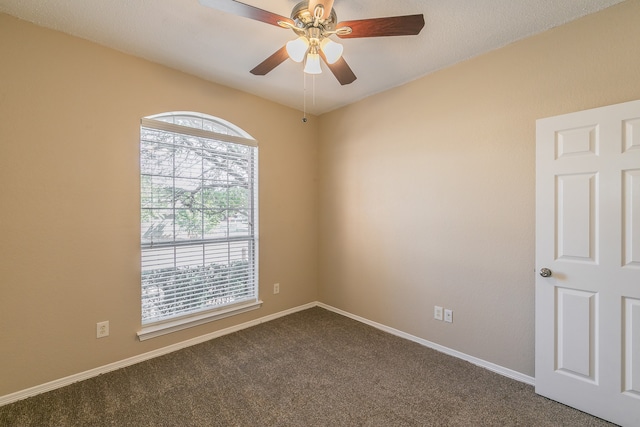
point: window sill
(163, 328)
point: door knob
(545, 272)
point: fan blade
(245, 10)
(271, 62)
(341, 70)
(327, 4)
(408, 25)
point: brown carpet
(312, 368)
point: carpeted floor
(312, 368)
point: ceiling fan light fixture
(332, 50)
(312, 64)
(297, 48)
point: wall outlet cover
(102, 329)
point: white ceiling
(222, 48)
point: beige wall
(427, 190)
(69, 200)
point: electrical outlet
(437, 312)
(102, 329)
(448, 316)
(276, 288)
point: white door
(588, 236)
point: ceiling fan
(313, 21)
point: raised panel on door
(581, 141)
(631, 134)
(576, 215)
(631, 221)
(576, 344)
(631, 345)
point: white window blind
(198, 178)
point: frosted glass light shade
(312, 65)
(332, 50)
(297, 48)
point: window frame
(235, 135)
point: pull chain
(304, 97)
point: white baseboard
(62, 382)
(479, 362)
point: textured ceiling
(222, 48)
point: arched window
(199, 217)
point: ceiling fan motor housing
(304, 19)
